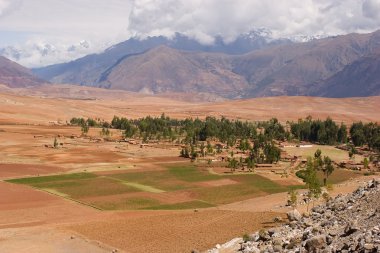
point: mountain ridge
(277, 70)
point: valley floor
(40, 216)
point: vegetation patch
(191, 174)
(55, 178)
(162, 180)
(181, 206)
(142, 187)
(133, 203)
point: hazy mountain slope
(361, 78)
(292, 69)
(87, 70)
(164, 69)
(15, 75)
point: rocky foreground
(347, 223)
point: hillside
(298, 69)
(89, 69)
(49, 103)
(15, 76)
(360, 78)
(319, 68)
(164, 69)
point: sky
(50, 31)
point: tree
(327, 169)
(232, 164)
(312, 182)
(365, 163)
(202, 147)
(352, 152)
(342, 133)
(292, 198)
(55, 144)
(84, 128)
(210, 150)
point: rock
(294, 215)
(369, 246)
(195, 251)
(351, 228)
(315, 243)
(277, 248)
(347, 223)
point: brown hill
(295, 69)
(104, 104)
(15, 75)
(360, 78)
(292, 69)
(164, 69)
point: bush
(301, 174)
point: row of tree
(191, 131)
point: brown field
(64, 216)
(43, 106)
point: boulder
(315, 243)
(294, 215)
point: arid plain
(39, 219)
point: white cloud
(228, 18)
(7, 6)
(26, 24)
(371, 9)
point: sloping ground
(17, 76)
(173, 232)
(287, 69)
(99, 104)
(347, 223)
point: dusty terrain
(44, 106)
(32, 220)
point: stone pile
(347, 223)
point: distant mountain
(319, 67)
(164, 69)
(298, 68)
(16, 76)
(358, 79)
(89, 69)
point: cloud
(229, 18)
(7, 6)
(371, 9)
(28, 24)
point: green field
(148, 189)
(334, 153)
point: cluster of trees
(309, 175)
(328, 132)
(191, 131)
(317, 163)
(323, 132)
(366, 134)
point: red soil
(23, 170)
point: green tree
(327, 169)
(365, 163)
(84, 129)
(292, 198)
(312, 182)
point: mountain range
(251, 66)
